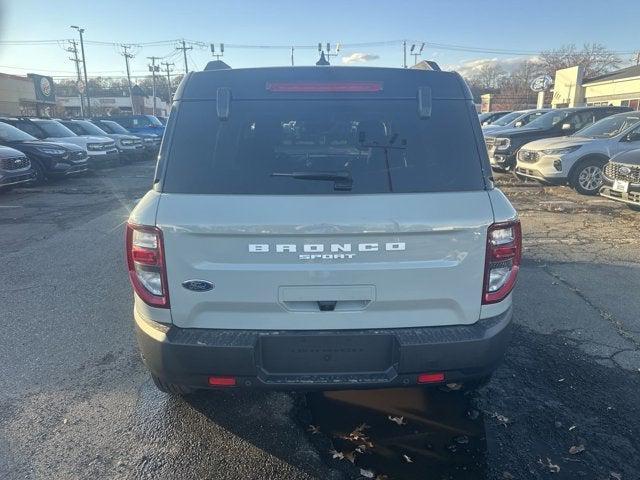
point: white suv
(321, 227)
(578, 159)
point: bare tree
(594, 57)
(487, 76)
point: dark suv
(48, 159)
(503, 147)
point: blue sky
(507, 25)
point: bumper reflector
(431, 377)
(222, 381)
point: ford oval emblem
(624, 170)
(198, 285)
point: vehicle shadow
(410, 431)
(390, 433)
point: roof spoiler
(217, 65)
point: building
(618, 88)
(114, 102)
(33, 95)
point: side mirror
(518, 124)
(566, 126)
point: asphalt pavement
(76, 402)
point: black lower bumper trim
(190, 356)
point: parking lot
(76, 402)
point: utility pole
(167, 65)
(184, 49)
(292, 64)
(638, 59)
(329, 54)
(74, 49)
(154, 68)
(127, 56)
(404, 49)
(213, 51)
(84, 67)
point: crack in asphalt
(618, 325)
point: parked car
(487, 118)
(150, 141)
(48, 159)
(139, 123)
(15, 169)
(503, 146)
(102, 150)
(514, 120)
(621, 181)
(163, 120)
(278, 249)
(578, 160)
(129, 146)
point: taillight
(147, 269)
(504, 245)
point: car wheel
(587, 177)
(171, 388)
(39, 177)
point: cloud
(468, 68)
(360, 58)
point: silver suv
(320, 227)
(578, 159)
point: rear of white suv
(322, 228)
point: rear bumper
(343, 359)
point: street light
(84, 67)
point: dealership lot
(76, 401)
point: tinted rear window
(381, 145)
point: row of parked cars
(595, 150)
(33, 150)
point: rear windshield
(323, 147)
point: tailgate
(325, 262)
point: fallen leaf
(381, 477)
(561, 380)
(616, 476)
(407, 458)
(552, 467)
(351, 456)
(572, 427)
(313, 429)
(502, 420)
(398, 420)
(335, 454)
(507, 476)
(574, 450)
(362, 427)
(367, 473)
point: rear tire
(171, 388)
(586, 177)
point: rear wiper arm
(342, 180)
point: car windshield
(609, 127)
(272, 147)
(55, 129)
(113, 127)
(550, 119)
(153, 120)
(507, 119)
(9, 133)
(90, 128)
